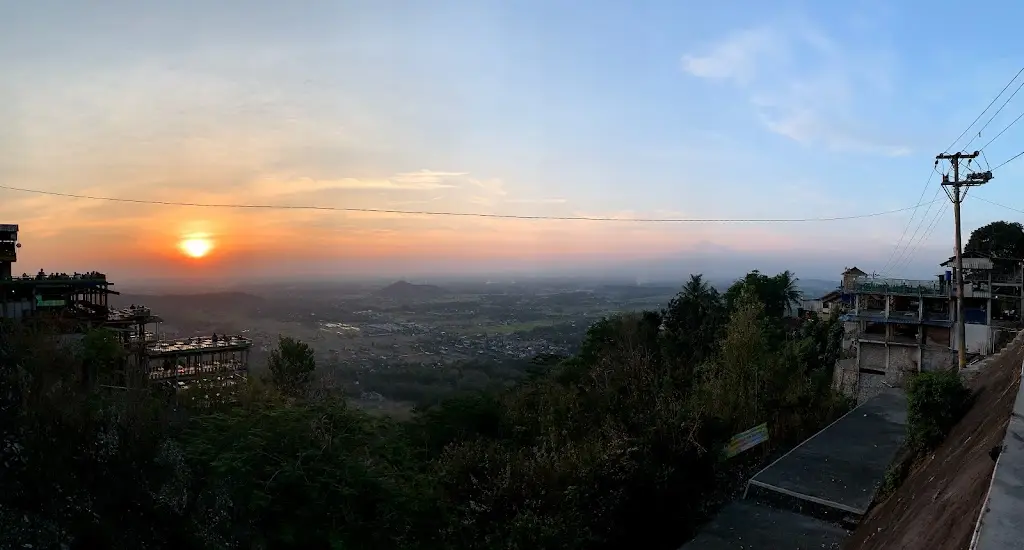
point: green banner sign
(746, 440)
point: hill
(404, 290)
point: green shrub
(935, 402)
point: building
(79, 302)
(899, 326)
(895, 327)
(993, 300)
(217, 360)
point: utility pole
(956, 190)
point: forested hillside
(617, 446)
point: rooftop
(131, 313)
(842, 465)
(901, 286)
(91, 277)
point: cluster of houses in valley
(899, 326)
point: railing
(901, 286)
(56, 277)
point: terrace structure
(134, 325)
(993, 300)
(898, 326)
(79, 298)
(221, 360)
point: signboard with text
(746, 440)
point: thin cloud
(301, 186)
(802, 84)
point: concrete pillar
(887, 305)
(920, 309)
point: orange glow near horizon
(196, 247)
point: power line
(981, 114)
(982, 148)
(463, 214)
(924, 189)
(924, 236)
(983, 199)
(907, 248)
(1007, 161)
(911, 221)
(999, 110)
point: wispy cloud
(274, 187)
(804, 85)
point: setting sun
(196, 247)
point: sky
(642, 109)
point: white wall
(978, 338)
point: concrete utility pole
(956, 190)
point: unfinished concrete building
(898, 326)
(993, 300)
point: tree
(101, 355)
(292, 365)
(778, 293)
(999, 239)
(786, 290)
(693, 321)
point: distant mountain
(816, 288)
(404, 290)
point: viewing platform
(185, 361)
(198, 345)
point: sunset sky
(660, 109)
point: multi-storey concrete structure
(899, 326)
(993, 300)
(896, 327)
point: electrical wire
(981, 114)
(999, 110)
(924, 236)
(889, 262)
(1007, 161)
(908, 249)
(463, 214)
(909, 223)
(1001, 132)
(983, 199)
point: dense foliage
(616, 446)
(935, 403)
(999, 239)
